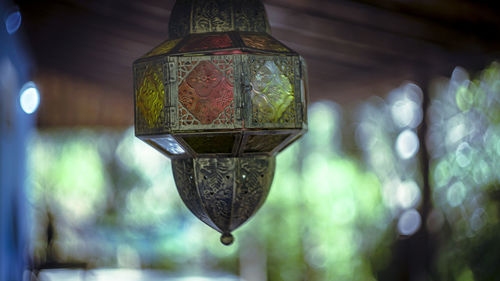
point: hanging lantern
(220, 98)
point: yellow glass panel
(150, 98)
(163, 48)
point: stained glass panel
(207, 91)
(163, 48)
(271, 93)
(207, 42)
(262, 42)
(150, 97)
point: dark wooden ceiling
(83, 50)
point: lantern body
(220, 94)
(220, 98)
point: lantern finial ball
(227, 239)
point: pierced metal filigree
(224, 192)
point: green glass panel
(271, 93)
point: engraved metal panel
(253, 183)
(184, 176)
(202, 16)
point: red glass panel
(206, 92)
(228, 52)
(207, 42)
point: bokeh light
(463, 139)
(13, 22)
(407, 144)
(409, 222)
(29, 98)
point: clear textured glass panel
(271, 93)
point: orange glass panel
(262, 42)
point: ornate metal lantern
(221, 98)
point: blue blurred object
(13, 22)
(15, 125)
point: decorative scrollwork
(250, 15)
(186, 186)
(185, 68)
(226, 116)
(210, 16)
(186, 118)
(253, 184)
(217, 16)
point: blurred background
(397, 178)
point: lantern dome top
(202, 16)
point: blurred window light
(30, 98)
(407, 144)
(409, 222)
(13, 22)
